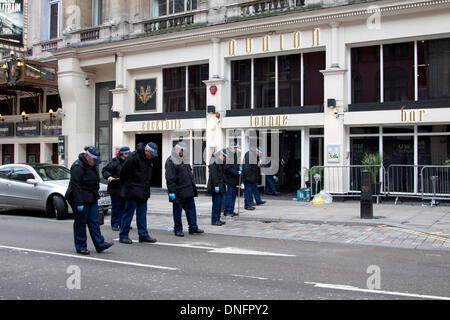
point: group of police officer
(129, 175)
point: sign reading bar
(6, 129)
(52, 128)
(28, 129)
(412, 115)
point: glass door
(103, 119)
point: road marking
(431, 235)
(393, 293)
(134, 264)
(251, 277)
(226, 250)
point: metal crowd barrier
(345, 181)
(403, 180)
(435, 183)
(426, 182)
(200, 176)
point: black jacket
(84, 183)
(230, 171)
(216, 176)
(180, 180)
(136, 175)
(250, 170)
(112, 169)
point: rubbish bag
(322, 198)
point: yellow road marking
(417, 233)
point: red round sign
(213, 89)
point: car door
(5, 192)
(23, 194)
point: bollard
(366, 196)
(434, 180)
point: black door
(157, 164)
(103, 119)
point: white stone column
(334, 45)
(120, 98)
(78, 107)
(334, 133)
(305, 154)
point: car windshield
(49, 173)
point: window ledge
(396, 105)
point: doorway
(33, 153)
(157, 163)
(291, 150)
(7, 153)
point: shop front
(410, 147)
(166, 133)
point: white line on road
(393, 293)
(134, 264)
(227, 250)
(251, 277)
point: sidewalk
(410, 216)
(410, 225)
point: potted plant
(373, 161)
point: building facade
(324, 81)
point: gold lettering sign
(412, 115)
(159, 125)
(269, 121)
(245, 46)
(249, 45)
(297, 39)
(266, 44)
(232, 47)
(316, 37)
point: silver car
(40, 187)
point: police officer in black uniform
(250, 177)
(216, 185)
(111, 172)
(135, 177)
(82, 195)
(182, 190)
(232, 171)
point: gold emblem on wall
(145, 95)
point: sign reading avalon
(11, 22)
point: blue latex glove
(275, 178)
(240, 168)
(217, 189)
(172, 196)
(240, 172)
(80, 208)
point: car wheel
(56, 207)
